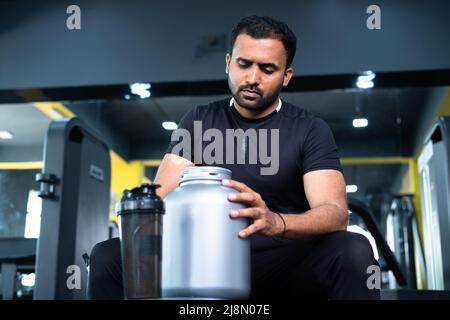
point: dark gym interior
(88, 113)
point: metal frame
(75, 213)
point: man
(300, 246)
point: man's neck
(256, 114)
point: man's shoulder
(305, 118)
(213, 106)
(292, 111)
(200, 112)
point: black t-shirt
(305, 143)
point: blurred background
(135, 68)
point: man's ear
(227, 63)
(287, 76)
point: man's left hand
(265, 222)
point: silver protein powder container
(203, 257)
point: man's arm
(168, 173)
(325, 191)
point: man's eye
(244, 65)
(268, 70)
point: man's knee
(105, 252)
(105, 271)
(350, 255)
(354, 252)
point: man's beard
(261, 103)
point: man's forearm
(315, 222)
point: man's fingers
(242, 187)
(252, 199)
(244, 197)
(252, 213)
(251, 229)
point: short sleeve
(181, 143)
(319, 148)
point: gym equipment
(403, 237)
(358, 207)
(434, 174)
(17, 255)
(75, 187)
(402, 290)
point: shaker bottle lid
(142, 198)
(204, 173)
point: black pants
(334, 267)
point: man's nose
(253, 77)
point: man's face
(257, 71)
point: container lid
(204, 173)
(142, 198)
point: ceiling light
(351, 188)
(367, 76)
(169, 125)
(364, 84)
(141, 89)
(6, 135)
(365, 80)
(28, 280)
(360, 123)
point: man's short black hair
(267, 27)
